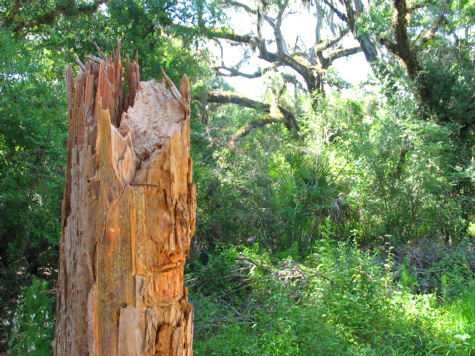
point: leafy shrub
(267, 188)
(394, 171)
(33, 321)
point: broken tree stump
(128, 215)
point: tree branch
(226, 35)
(429, 34)
(307, 72)
(404, 49)
(288, 118)
(338, 13)
(332, 56)
(402, 160)
(354, 13)
(390, 45)
(249, 10)
(233, 72)
(279, 38)
(325, 44)
(420, 5)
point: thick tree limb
(311, 71)
(240, 5)
(326, 44)
(311, 74)
(233, 72)
(390, 45)
(308, 73)
(333, 56)
(404, 48)
(310, 66)
(288, 118)
(407, 52)
(231, 36)
(367, 45)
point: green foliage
(266, 188)
(142, 27)
(32, 156)
(395, 170)
(216, 274)
(463, 313)
(33, 321)
(453, 272)
(409, 281)
(342, 300)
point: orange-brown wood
(128, 215)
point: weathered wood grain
(128, 216)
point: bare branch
(240, 5)
(278, 58)
(275, 24)
(338, 13)
(308, 72)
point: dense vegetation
(333, 218)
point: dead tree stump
(128, 215)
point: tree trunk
(128, 216)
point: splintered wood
(128, 215)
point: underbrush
(339, 300)
(32, 327)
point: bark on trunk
(128, 216)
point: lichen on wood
(128, 215)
